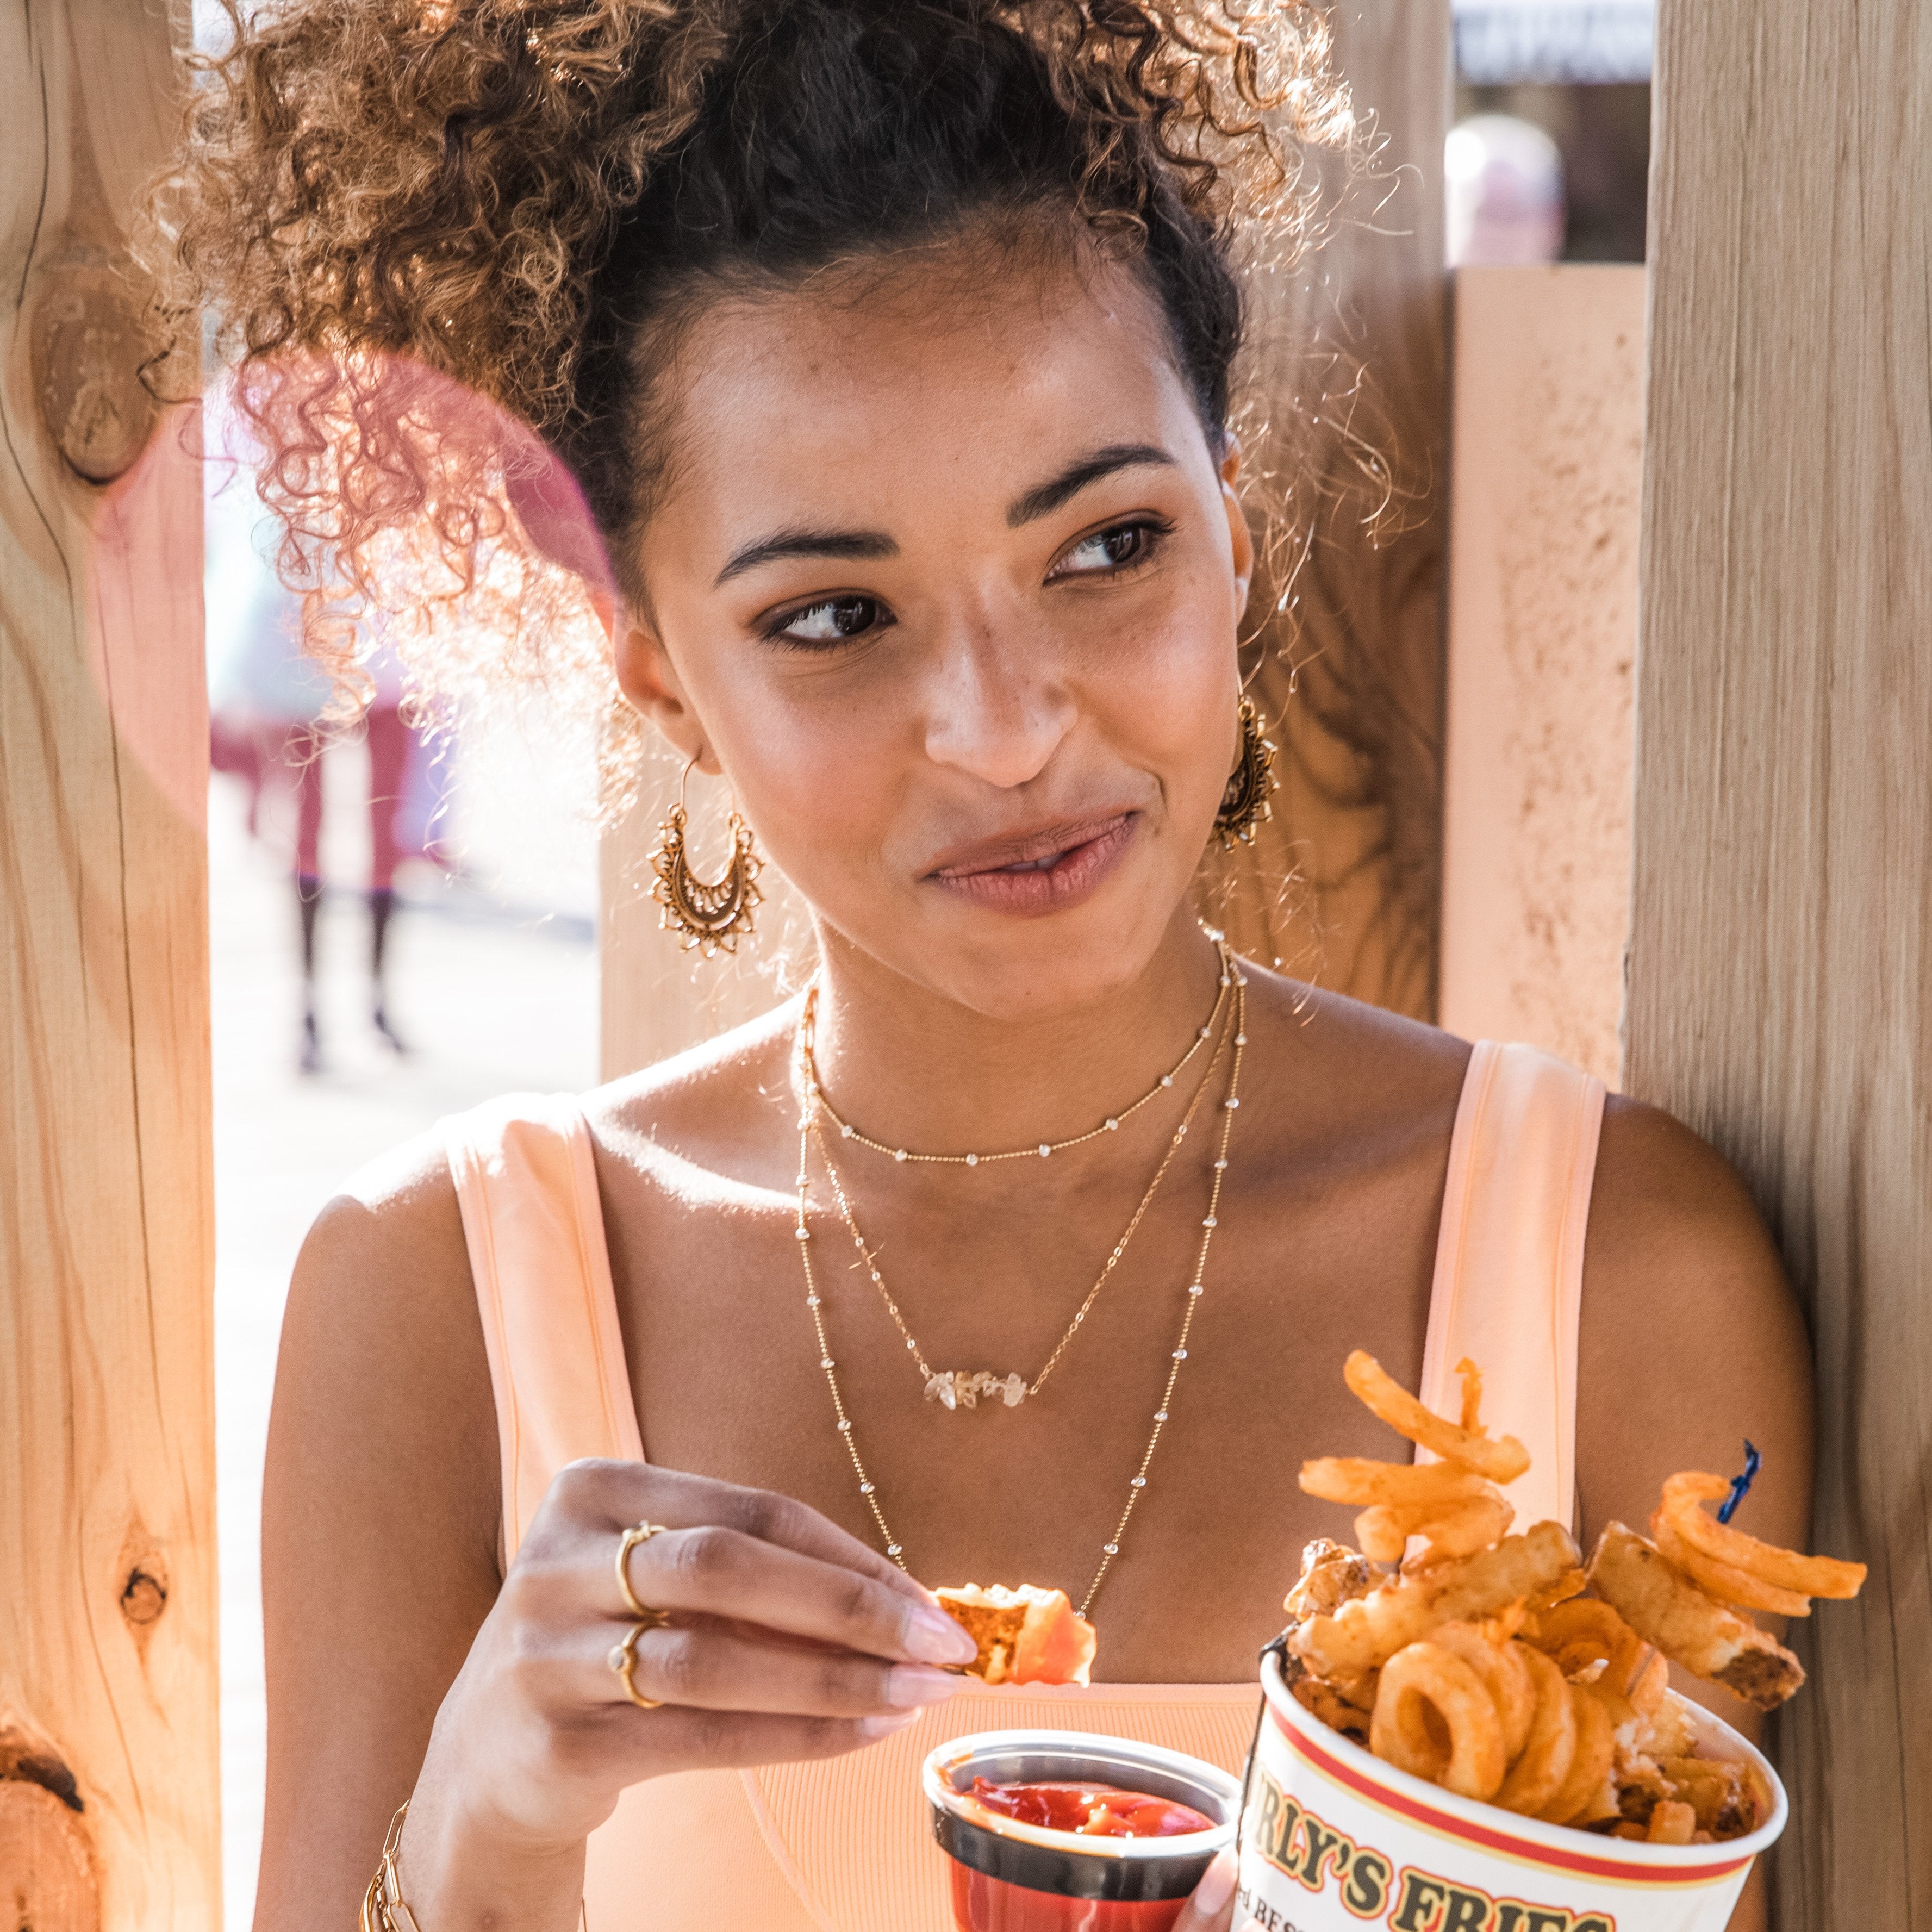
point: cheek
(1164, 685)
(821, 768)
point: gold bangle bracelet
(383, 1909)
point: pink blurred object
(1505, 189)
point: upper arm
(1690, 1340)
(379, 1507)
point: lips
(1047, 870)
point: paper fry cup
(1332, 1840)
(1008, 1876)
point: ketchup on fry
(1094, 1810)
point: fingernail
(884, 1727)
(914, 1684)
(933, 1637)
(1217, 1884)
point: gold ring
(623, 1659)
(638, 1533)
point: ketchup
(1094, 1810)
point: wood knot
(48, 1878)
(88, 348)
(143, 1571)
(144, 1598)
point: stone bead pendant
(958, 1390)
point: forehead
(942, 382)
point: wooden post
(1351, 688)
(1781, 973)
(109, 1791)
(1351, 683)
(1548, 468)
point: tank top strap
(1509, 1260)
(526, 1183)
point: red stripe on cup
(1525, 1849)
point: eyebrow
(788, 543)
(1048, 496)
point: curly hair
(395, 210)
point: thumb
(1211, 1908)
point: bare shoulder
(709, 1105)
(1691, 1339)
(379, 1507)
(1355, 1074)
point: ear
(647, 678)
(1241, 540)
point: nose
(999, 706)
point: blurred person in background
(269, 719)
(1505, 189)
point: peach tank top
(843, 1846)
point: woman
(890, 343)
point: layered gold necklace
(956, 1389)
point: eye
(1117, 548)
(834, 620)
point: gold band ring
(638, 1534)
(623, 1659)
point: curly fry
(1586, 1793)
(1666, 1608)
(1360, 1635)
(1460, 1530)
(1505, 1677)
(1425, 1678)
(1580, 1632)
(1472, 1395)
(1728, 1585)
(1543, 1763)
(1501, 1460)
(1355, 1479)
(1782, 1569)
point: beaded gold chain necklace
(815, 1302)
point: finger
(615, 1494)
(707, 1667)
(725, 1572)
(1211, 1906)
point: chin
(1012, 968)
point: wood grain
(1343, 886)
(107, 1620)
(1547, 472)
(1781, 974)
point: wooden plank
(1781, 974)
(1354, 357)
(1352, 686)
(1547, 466)
(109, 1791)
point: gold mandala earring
(1244, 804)
(710, 914)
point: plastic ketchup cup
(1011, 1876)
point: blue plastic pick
(1741, 1485)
